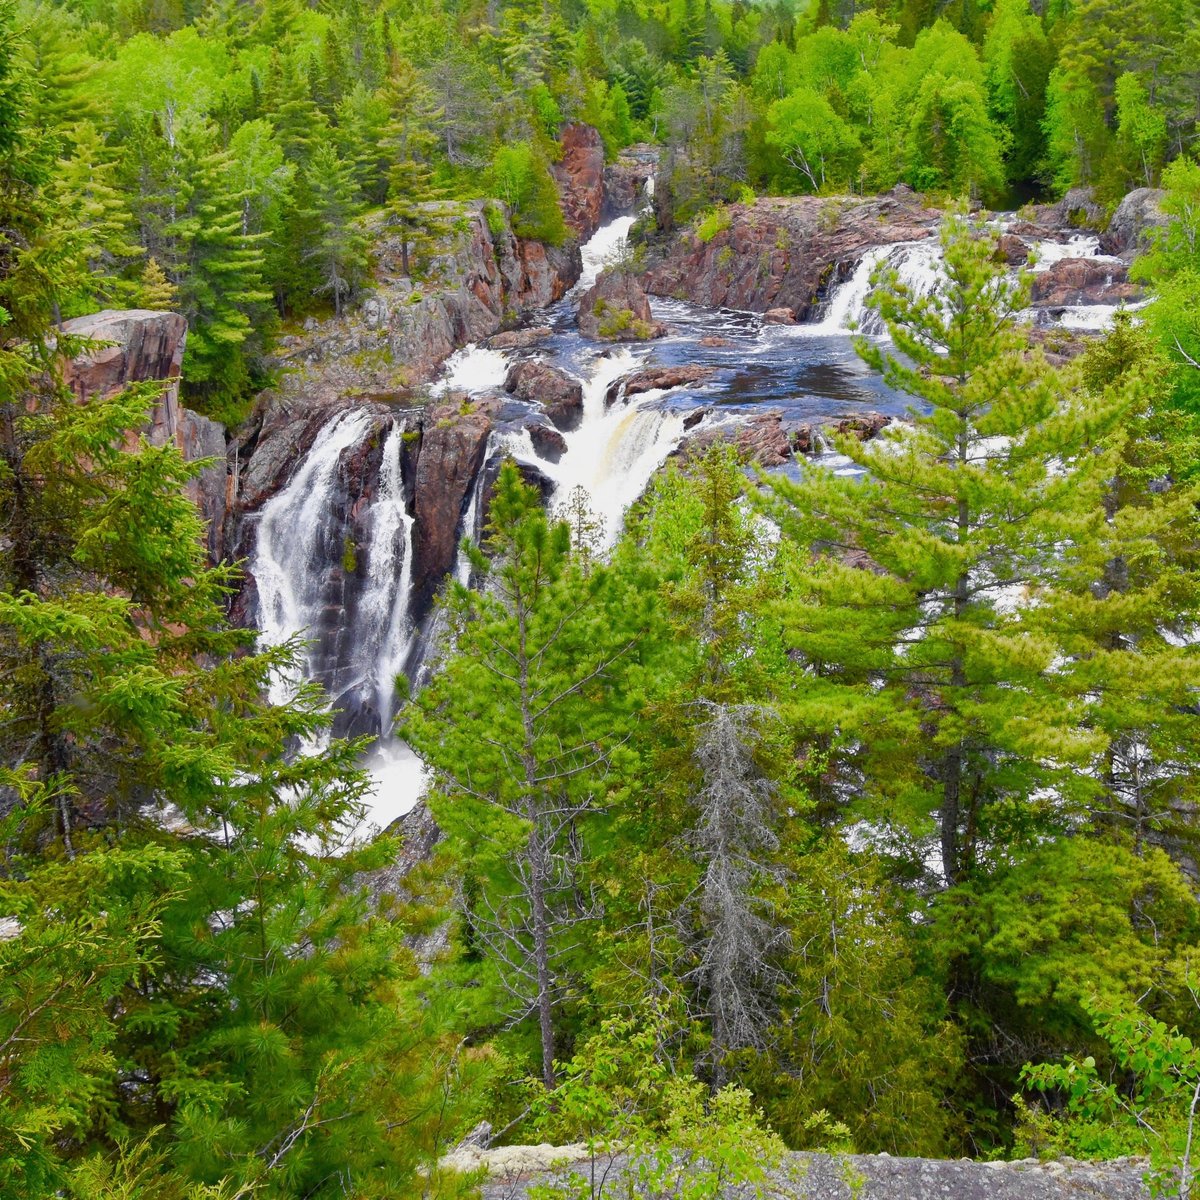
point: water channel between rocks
(807, 371)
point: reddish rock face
(560, 396)
(1012, 250)
(143, 346)
(1082, 281)
(615, 309)
(761, 438)
(449, 458)
(653, 378)
(580, 177)
(781, 253)
(779, 316)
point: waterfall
(306, 562)
(916, 265)
(384, 612)
(295, 539)
(601, 248)
(470, 521)
(357, 616)
(473, 369)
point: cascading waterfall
(294, 543)
(384, 616)
(361, 636)
(604, 245)
(916, 265)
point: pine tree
(196, 966)
(941, 698)
(87, 185)
(524, 725)
(410, 139)
(339, 248)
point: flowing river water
(808, 371)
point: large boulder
(453, 441)
(652, 379)
(560, 396)
(760, 438)
(580, 177)
(615, 309)
(1136, 215)
(1073, 281)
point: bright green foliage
(620, 1095)
(962, 507)
(813, 139)
(339, 247)
(1141, 130)
(521, 178)
(1152, 1111)
(1172, 267)
(86, 185)
(1018, 56)
(525, 724)
(78, 933)
(410, 139)
(863, 1034)
(194, 967)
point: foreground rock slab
(881, 1177)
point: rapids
(362, 639)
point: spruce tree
(339, 247)
(410, 139)
(87, 185)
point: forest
(840, 811)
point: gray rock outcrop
(880, 1177)
(560, 396)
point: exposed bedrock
(781, 253)
(769, 438)
(560, 396)
(1073, 281)
(142, 346)
(651, 379)
(616, 309)
(625, 180)
(809, 1176)
(580, 177)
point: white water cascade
(916, 266)
(615, 451)
(605, 245)
(290, 553)
(360, 638)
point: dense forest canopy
(851, 810)
(215, 157)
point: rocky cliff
(783, 253)
(138, 346)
